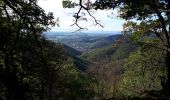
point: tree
(68, 4)
(31, 67)
(153, 12)
(21, 51)
(143, 71)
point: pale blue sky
(107, 17)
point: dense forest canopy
(154, 19)
(120, 66)
(32, 67)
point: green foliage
(31, 67)
(144, 71)
(145, 33)
(99, 52)
(105, 41)
(72, 84)
(80, 63)
(68, 4)
(123, 50)
(113, 51)
(21, 50)
(72, 51)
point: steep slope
(108, 61)
(115, 48)
(105, 41)
(104, 52)
(81, 64)
(71, 51)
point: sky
(65, 15)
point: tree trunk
(167, 85)
(42, 91)
(50, 90)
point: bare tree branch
(77, 16)
(96, 21)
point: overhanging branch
(77, 16)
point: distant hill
(71, 51)
(100, 46)
(110, 49)
(103, 52)
(81, 64)
(83, 41)
(105, 41)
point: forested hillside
(32, 67)
(36, 64)
(112, 66)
